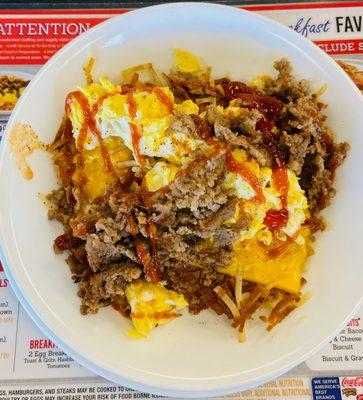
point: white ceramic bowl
(192, 356)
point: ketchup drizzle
(276, 219)
(131, 105)
(143, 255)
(163, 98)
(136, 135)
(238, 168)
(203, 129)
(89, 122)
(154, 270)
(67, 241)
(270, 108)
(149, 262)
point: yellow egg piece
(237, 183)
(150, 107)
(258, 81)
(151, 305)
(297, 205)
(114, 107)
(186, 107)
(186, 62)
(98, 179)
(93, 92)
(161, 175)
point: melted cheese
(98, 179)
(260, 265)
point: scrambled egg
(296, 200)
(160, 175)
(186, 62)
(151, 305)
(258, 81)
(255, 248)
(153, 116)
(187, 107)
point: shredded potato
(238, 285)
(211, 100)
(220, 89)
(53, 147)
(321, 91)
(128, 75)
(88, 71)
(228, 301)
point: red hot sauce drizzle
(154, 270)
(67, 241)
(136, 134)
(136, 130)
(163, 98)
(148, 261)
(270, 109)
(203, 129)
(238, 168)
(132, 224)
(151, 270)
(99, 103)
(131, 105)
(89, 122)
(277, 219)
(234, 89)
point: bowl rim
(170, 388)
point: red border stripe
(73, 12)
(113, 11)
(303, 6)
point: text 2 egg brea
(182, 190)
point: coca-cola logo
(351, 382)
(354, 322)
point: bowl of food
(184, 160)
(12, 85)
